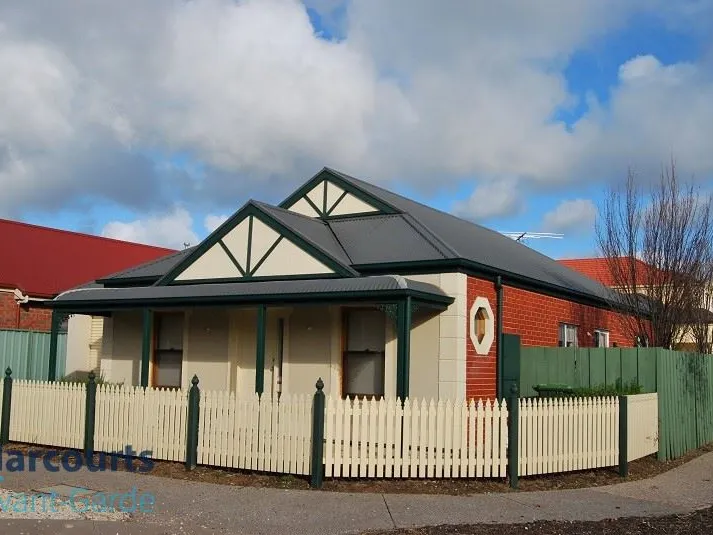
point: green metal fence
(684, 382)
(27, 353)
(586, 367)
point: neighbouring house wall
(124, 363)
(25, 317)
(536, 319)
(449, 329)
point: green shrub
(617, 389)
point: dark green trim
(264, 257)
(253, 210)
(513, 435)
(500, 394)
(339, 199)
(327, 174)
(194, 400)
(403, 348)
(232, 258)
(146, 327)
(90, 407)
(623, 436)
(437, 302)
(317, 465)
(6, 408)
(250, 243)
(314, 206)
(260, 350)
(324, 198)
(129, 281)
(57, 319)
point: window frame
(157, 351)
(346, 354)
(598, 333)
(564, 328)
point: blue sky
(490, 117)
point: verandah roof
(383, 287)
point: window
(365, 340)
(568, 335)
(601, 338)
(168, 352)
(481, 317)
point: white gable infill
(326, 195)
(252, 246)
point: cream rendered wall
(79, 329)
(452, 325)
(205, 348)
(310, 351)
(124, 363)
(424, 362)
(289, 259)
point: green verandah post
(57, 319)
(513, 435)
(623, 436)
(6, 402)
(194, 395)
(90, 416)
(317, 471)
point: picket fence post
(513, 435)
(194, 396)
(317, 475)
(6, 402)
(90, 416)
(623, 436)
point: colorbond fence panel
(416, 439)
(587, 367)
(147, 419)
(27, 353)
(48, 414)
(255, 433)
(558, 435)
(642, 425)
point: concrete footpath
(189, 507)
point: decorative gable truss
(252, 247)
(328, 199)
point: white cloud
(576, 215)
(416, 90)
(173, 229)
(213, 221)
(494, 199)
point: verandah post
(623, 436)
(6, 403)
(194, 396)
(147, 320)
(260, 350)
(90, 416)
(403, 348)
(317, 466)
(513, 435)
(54, 333)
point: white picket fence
(264, 434)
(146, 419)
(561, 435)
(642, 425)
(48, 414)
(378, 438)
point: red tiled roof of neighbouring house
(598, 269)
(43, 261)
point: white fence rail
(146, 419)
(257, 434)
(642, 425)
(561, 435)
(49, 414)
(377, 438)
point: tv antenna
(522, 236)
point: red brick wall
(25, 317)
(536, 318)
